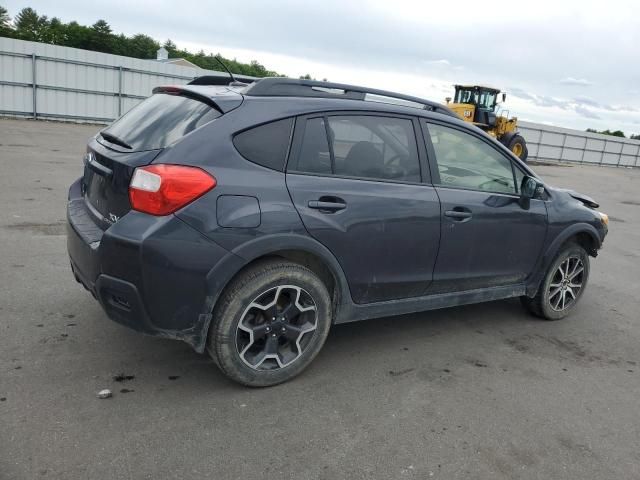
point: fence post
(119, 90)
(620, 156)
(604, 149)
(33, 80)
(584, 149)
(564, 141)
(539, 143)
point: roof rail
(291, 87)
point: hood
(587, 200)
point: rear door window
(267, 144)
(160, 120)
(374, 147)
(361, 146)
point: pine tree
(6, 30)
(100, 37)
(30, 26)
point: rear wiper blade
(113, 139)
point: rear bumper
(120, 300)
(156, 275)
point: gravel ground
(482, 391)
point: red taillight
(163, 189)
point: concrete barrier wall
(48, 81)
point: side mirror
(528, 189)
(504, 97)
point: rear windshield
(160, 120)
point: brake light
(162, 189)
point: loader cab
(484, 99)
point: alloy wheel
(566, 284)
(276, 327)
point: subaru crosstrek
(247, 220)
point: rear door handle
(458, 214)
(326, 206)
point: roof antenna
(234, 82)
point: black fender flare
(271, 244)
(225, 270)
(552, 250)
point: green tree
(616, 133)
(309, 77)
(31, 26)
(55, 32)
(142, 46)
(635, 137)
(171, 48)
(6, 30)
(77, 36)
(121, 45)
(28, 25)
(100, 38)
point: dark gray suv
(248, 220)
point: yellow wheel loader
(477, 104)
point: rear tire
(518, 146)
(270, 323)
(562, 286)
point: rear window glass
(266, 144)
(160, 120)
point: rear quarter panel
(211, 148)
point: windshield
(466, 95)
(481, 98)
(487, 100)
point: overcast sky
(567, 63)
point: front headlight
(604, 218)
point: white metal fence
(47, 81)
(554, 144)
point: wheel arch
(582, 233)
(296, 248)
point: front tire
(519, 147)
(563, 284)
(270, 323)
